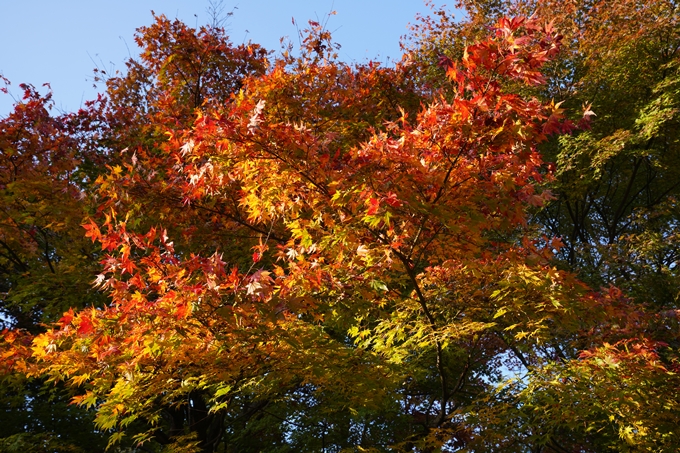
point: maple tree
(616, 192)
(615, 187)
(46, 265)
(41, 191)
(303, 254)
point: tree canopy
(474, 249)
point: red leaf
(182, 311)
(67, 318)
(85, 327)
(373, 204)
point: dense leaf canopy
(473, 250)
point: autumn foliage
(293, 253)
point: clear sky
(61, 41)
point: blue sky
(61, 41)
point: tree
(323, 256)
(48, 167)
(46, 265)
(615, 188)
(42, 188)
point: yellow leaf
(501, 311)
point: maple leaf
(256, 116)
